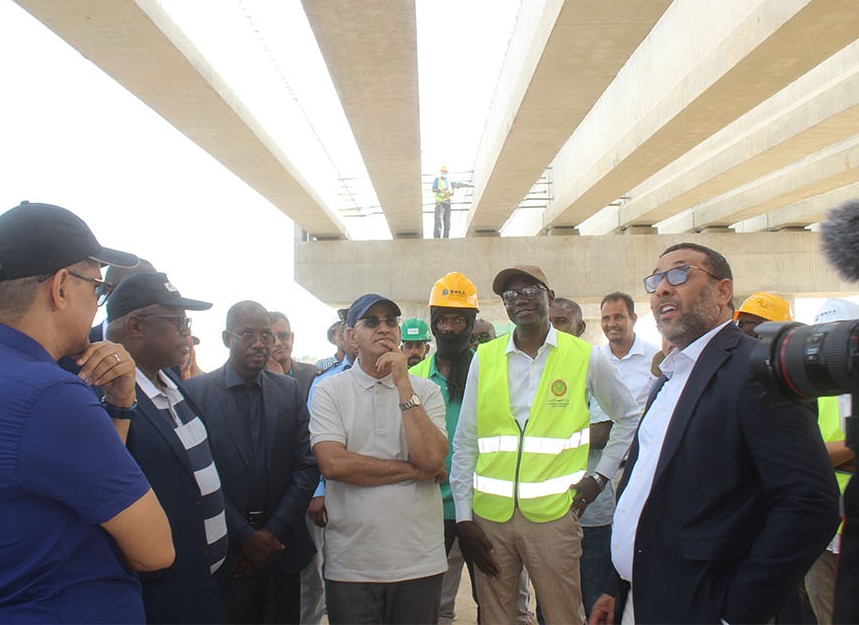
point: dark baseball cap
(146, 289)
(361, 305)
(529, 271)
(40, 239)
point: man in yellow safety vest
(520, 453)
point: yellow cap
(454, 291)
(766, 305)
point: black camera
(797, 362)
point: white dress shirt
(677, 367)
(523, 378)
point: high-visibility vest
(829, 422)
(442, 189)
(422, 369)
(532, 468)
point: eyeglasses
(675, 276)
(102, 289)
(392, 321)
(183, 323)
(249, 338)
(528, 292)
(283, 337)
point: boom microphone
(839, 236)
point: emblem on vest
(559, 388)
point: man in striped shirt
(170, 443)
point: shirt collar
(233, 379)
(23, 343)
(551, 340)
(148, 387)
(692, 351)
(637, 349)
(367, 381)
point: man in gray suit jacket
(257, 424)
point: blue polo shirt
(63, 471)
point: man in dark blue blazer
(257, 423)
(169, 442)
(725, 502)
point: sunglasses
(675, 276)
(102, 289)
(392, 321)
(528, 292)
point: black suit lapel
(148, 411)
(711, 359)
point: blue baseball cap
(361, 305)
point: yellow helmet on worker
(454, 291)
(768, 306)
(443, 169)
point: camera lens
(799, 362)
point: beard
(693, 322)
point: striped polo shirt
(192, 435)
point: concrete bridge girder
(370, 49)
(739, 55)
(562, 56)
(812, 113)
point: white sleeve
(465, 448)
(606, 386)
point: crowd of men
(626, 482)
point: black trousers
(268, 596)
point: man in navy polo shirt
(78, 516)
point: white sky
(71, 136)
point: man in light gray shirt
(379, 437)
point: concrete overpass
(660, 119)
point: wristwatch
(116, 412)
(601, 480)
(414, 400)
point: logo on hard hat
(559, 388)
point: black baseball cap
(361, 305)
(146, 289)
(40, 239)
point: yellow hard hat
(766, 305)
(444, 168)
(454, 291)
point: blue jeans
(595, 564)
(441, 223)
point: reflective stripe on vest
(533, 469)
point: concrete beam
(802, 213)
(817, 110)
(562, 56)
(582, 268)
(706, 63)
(139, 46)
(370, 49)
(829, 169)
